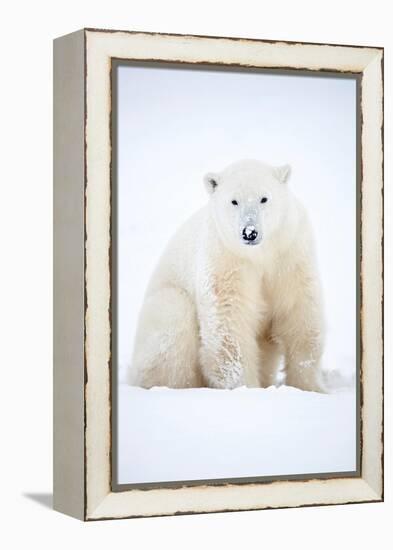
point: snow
(194, 434)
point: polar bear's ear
(211, 182)
(282, 173)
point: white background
(26, 462)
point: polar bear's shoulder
(188, 233)
(177, 262)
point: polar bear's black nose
(249, 233)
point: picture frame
(83, 279)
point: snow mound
(194, 434)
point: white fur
(222, 313)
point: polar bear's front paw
(227, 376)
(307, 376)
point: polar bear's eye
(235, 203)
(263, 200)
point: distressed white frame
(100, 47)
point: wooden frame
(82, 251)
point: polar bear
(236, 293)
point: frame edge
(68, 270)
(107, 508)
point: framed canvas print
(218, 261)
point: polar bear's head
(249, 200)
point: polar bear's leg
(229, 354)
(299, 321)
(166, 346)
(303, 340)
(229, 361)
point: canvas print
(235, 338)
